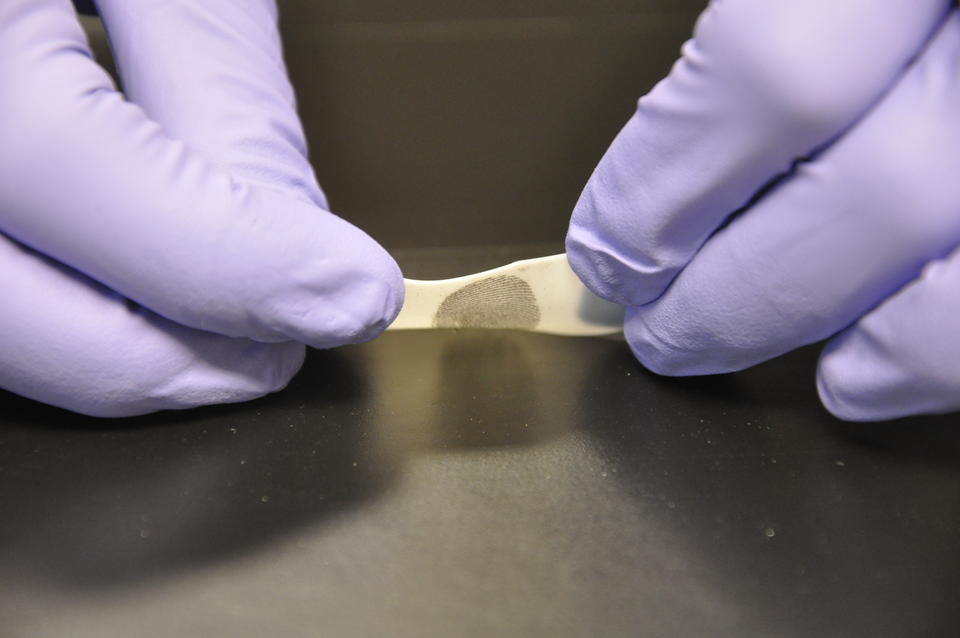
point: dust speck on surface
(769, 532)
(264, 498)
(504, 301)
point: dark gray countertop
(479, 483)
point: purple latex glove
(171, 248)
(855, 102)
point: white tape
(541, 295)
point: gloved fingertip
(670, 345)
(593, 269)
(362, 299)
(609, 274)
(656, 354)
(382, 297)
(377, 304)
(836, 397)
(854, 386)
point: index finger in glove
(847, 230)
(90, 179)
(760, 85)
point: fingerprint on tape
(503, 301)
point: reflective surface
(477, 483)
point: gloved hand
(853, 106)
(172, 248)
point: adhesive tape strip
(540, 295)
